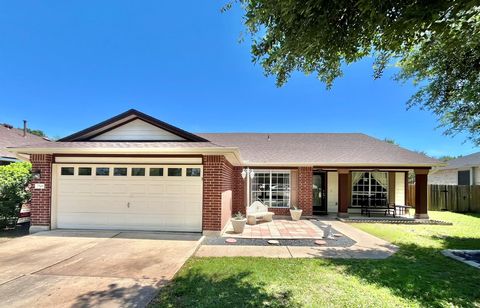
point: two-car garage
(127, 196)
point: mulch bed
(396, 221)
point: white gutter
(232, 153)
(340, 164)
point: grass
(418, 275)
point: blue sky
(66, 65)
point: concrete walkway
(367, 247)
(90, 268)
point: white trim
(273, 171)
(130, 160)
(53, 202)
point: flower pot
(296, 214)
(238, 225)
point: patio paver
(367, 246)
(278, 229)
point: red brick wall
(304, 192)
(305, 184)
(217, 178)
(239, 191)
(227, 192)
(40, 205)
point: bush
(14, 179)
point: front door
(319, 193)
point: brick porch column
(343, 193)
(40, 205)
(239, 192)
(305, 190)
(212, 193)
(421, 187)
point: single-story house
(464, 170)
(11, 137)
(136, 172)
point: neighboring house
(464, 170)
(13, 137)
(135, 172)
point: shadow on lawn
(423, 274)
(195, 289)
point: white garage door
(129, 197)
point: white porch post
(249, 174)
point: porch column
(421, 186)
(40, 204)
(305, 190)
(343, 193)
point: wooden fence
(455, 198)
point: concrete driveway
(90, 268)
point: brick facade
(305, 186)
(40, 206)
(239, 191)
(217, 179)
(305, 183)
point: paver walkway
(367, 247)
(278, 229)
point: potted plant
(238, 222)
(295, 212)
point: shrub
(14, 179)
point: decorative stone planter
(295, 214)
(238, 225)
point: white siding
(400, 188)
(443, 177)
(137, 130)
(476, 175)
(332, 195)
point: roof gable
(137, 130)
(133, 125)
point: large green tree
(435, 44)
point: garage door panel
(130, 202)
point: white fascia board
(345, 165)
(232, 154)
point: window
(464, 177)
(138, 171)
(84, 171)
(156, 171)
(193, 171)
(102, 171)
(68, 171)
(370, 188)
(119, 171)
(271, 188)
(174, 171)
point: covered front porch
(371, 192)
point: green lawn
(418, 275)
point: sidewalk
(367, 247)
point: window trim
(175, 176)
(91, 171)
(270, 172)
(67, 167)
(199, 175)
(369, 192)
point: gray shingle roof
(462, 162)
(329, 149)
(12, 137)
(117, 145)
(318, 148)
